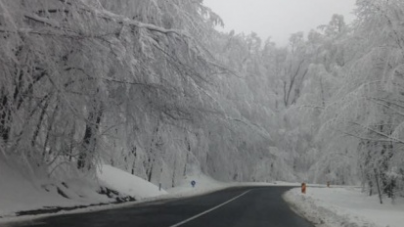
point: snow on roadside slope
(343, 207)
(19, 192)
(127, 183)
(204, 184)
(117, 180)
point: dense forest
(153, 88)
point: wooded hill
(152, 88)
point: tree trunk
(379, 191)
(174, 170)
(38, 127)
(150, 174)
(4, 119)
(90, 140)
(134, 160)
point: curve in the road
(235, 207)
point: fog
(279, 18)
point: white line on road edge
(210, 210)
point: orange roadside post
(304, 188)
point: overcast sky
(279, 18)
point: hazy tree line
(343, 98)
(151, 87)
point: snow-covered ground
(204, 184)
(126, 183)
(346, 207)
(21, 193)
(326, 207)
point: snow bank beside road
(18, 193)
(21, 195)
(203, 184)
(22, 192)
(127, 183)
(345, 207)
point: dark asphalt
(260, 207)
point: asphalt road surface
(236, 207)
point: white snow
(203, 184)
(18, 193)
(127, 183)
(340, 207)
(327, 207)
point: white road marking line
(210, 210)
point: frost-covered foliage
(82, 80)
(331, 101)
(141, 85)
(152, 88)
(347, 121)
(369, 100)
